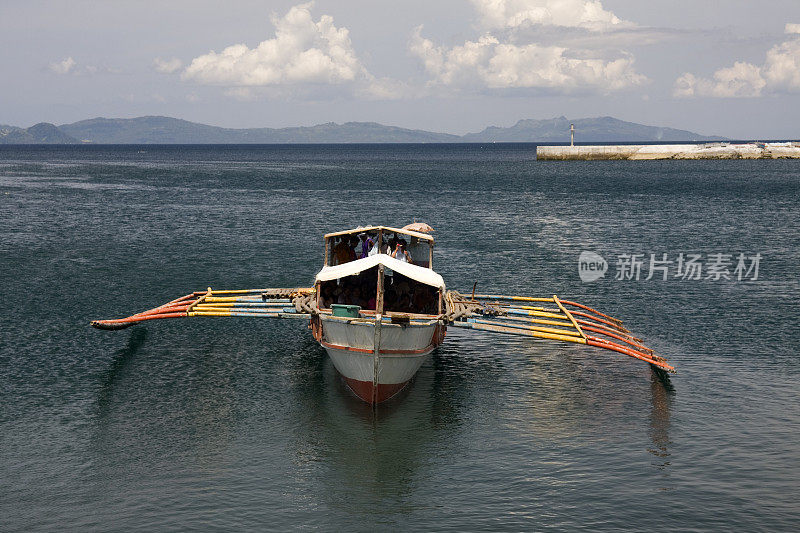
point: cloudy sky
(715, 67)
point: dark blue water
(243, 424)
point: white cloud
(490, 63)
(167, 66)
(65, 66)
(524, 49)
(779, 73)
(587, 14)
(302, 52)
(781, 69)
(71, 67)
(740, 80)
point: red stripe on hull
(366, 391)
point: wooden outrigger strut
(547, 318)
(568, 321)
(257, 303)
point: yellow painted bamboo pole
(515, 331)
(514, 298)
(261, 310)
(535, 321)
(556, 331)
(532, 308)
(209, 313)
(248, 305)
(240, 291)
(535, 313)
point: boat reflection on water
(158, 398)
(559, 394)
(382, 450)
(289, 415)
(544, 400)
(662, 395)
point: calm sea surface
(243, 424)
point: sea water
(243, 424)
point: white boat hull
(377, 376)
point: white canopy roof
(423, 275)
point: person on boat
(340, 253)
(346, 296)
(400, 253)
(372, 303)
(423, 301)
(389, 299)
(353, 245)
(326, 296)
(403, 301)
(366, 245)
(380, 248)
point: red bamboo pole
(604, 328)
(608, 345)
(595, 311)
(609, 334)
(613, 325)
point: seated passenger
(326, 296)
(389, 300)
(345, 296)
(423, 301)
(355, 297)
(403, 304)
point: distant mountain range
(600, 129)
(42, 133)
(166, 130)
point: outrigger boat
(378, 308)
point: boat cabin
(381, 270)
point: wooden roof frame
(356, 231)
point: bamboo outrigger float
(379, 315)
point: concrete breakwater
(786, 150)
